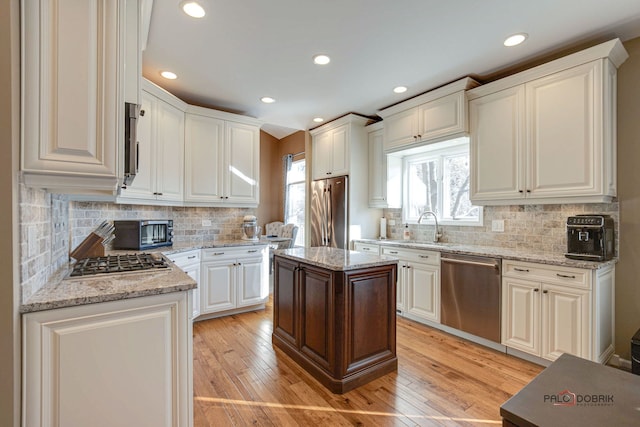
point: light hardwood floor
(240, 380)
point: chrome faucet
(436, 233)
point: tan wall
(292, 144)
(628, 269)
(9, 287)
(268, 209)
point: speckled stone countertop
(504, 253)
(184, 247)
(335, 259)
(62, 292)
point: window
(437, 179)
(294, 210)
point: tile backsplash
(187, 221)
(51, 225)
(539, 228)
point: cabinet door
(566, 326)
(442, 117)
(193, 271)
(203, 158)
(497, 146)
(243, 157)
(218, 291)
(124, 363)
(423, 291)
(73, 105)
(317, 315)
(144, 184)
(250, 282)
(401, 289)
(377, 170)
(521, 315)
(400, 129)
(340, 151)
(565, 142)
(285, 301)
(170, 154)
(322, 152)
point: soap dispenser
(406, 235)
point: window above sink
(436, 178)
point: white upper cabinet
(331, 148)
(160, 150)
(547, 135)
(434, 116)
(222, 159)
(80, 64)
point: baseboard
(618, 362)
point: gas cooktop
(118, 264)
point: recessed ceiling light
(193, 8)
(321, 59)
(515, 39)
(267, 100)
(318, 120)
(400, 89)
(169, 75)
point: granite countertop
(207, 244)
(504, 253)
(61, 291)
(335, 259)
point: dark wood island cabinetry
(334, 314)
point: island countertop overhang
(335, 259)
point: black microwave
(143, 234)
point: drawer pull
(524, 270)
(393, 252)
(566, 276)
(424, 256)
(218, 253)
(192, 256)
(366, 249)
(252, 251)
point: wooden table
(576, 392)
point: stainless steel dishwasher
(470, 294)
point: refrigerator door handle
(329, 217)
(325, 225)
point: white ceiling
(243, 50)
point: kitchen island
(334, 314)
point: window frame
(288, 185)
(439, 152)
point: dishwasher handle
(476, 263)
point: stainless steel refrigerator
(329, 212)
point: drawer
(185, 258)
(366, 247)
(231, 252)
(415, 255)
(575, 277)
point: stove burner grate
(117, 264)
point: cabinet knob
(419, 136)
(545, 291)
(536, 290)
(520, 191)
(142, 112)
(528, 191)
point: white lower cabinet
(115, 363)
(550, 310)
(189, 262)
(418, 291)
(233, 278)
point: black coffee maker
(590, 237)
